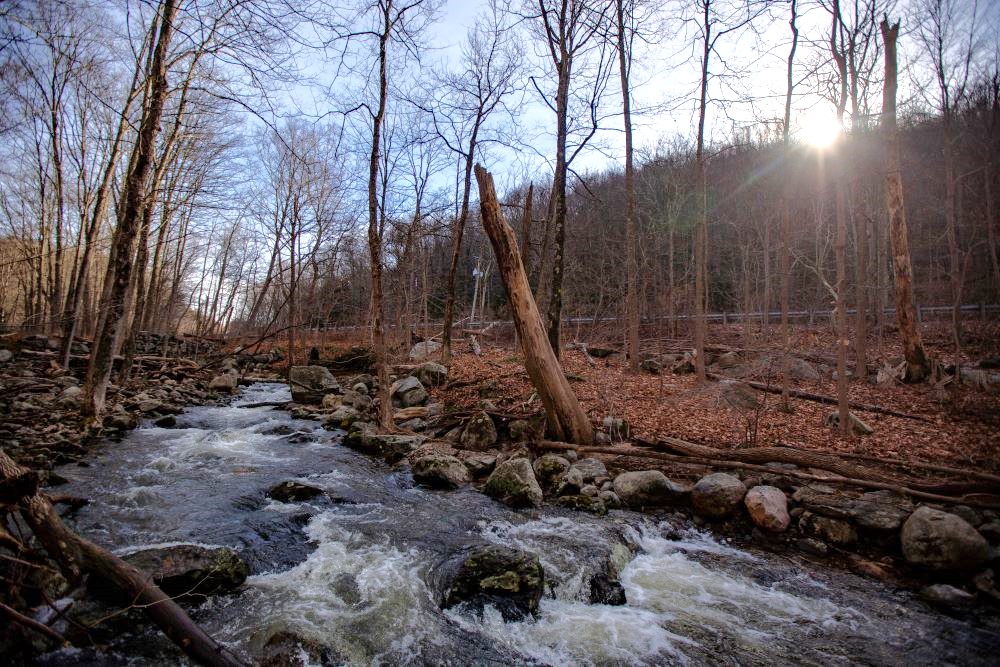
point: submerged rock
(511, 581)
(440, 471)
(606, 590)
(189, 569)
(513, 483)
(284, 649)
(942, 541)
(582, 502)
(648, 488)
(291, 491)
(716, 496)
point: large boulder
(430, 373)
(941, 541)
(648, 488)
(424, 350)
(189, 569)
(511, 581)
(738, 395)
(310, 383)
(407, 392)
(392, 448)
(513, 483)
(768, 508)
(479, 433)
(716, 496)
(834, 531)
(440, 471)
(226, 381)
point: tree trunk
(99, 369)
(701, 222)
(374, 233)
(917, 366)
(631, 260)
(566, 417)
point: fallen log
(828, 400)
(266, 404)
(972, 500)
(76, 555)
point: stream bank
(351, 572)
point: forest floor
(959, 424)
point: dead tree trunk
(566, 417)
(77, 555)
(917, 366)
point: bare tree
(917, 366)
(133, 192)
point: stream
(356, 572)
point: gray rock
(717, 495)
(5, 355)
(521, 430)
(440, 471)
(583, 503)
(430, 373)
(617, 429)
(188, 569)
(424, 350)
(947, 596)
(651, 366)
(570, 483)
(738, 395)
(728, 360)
(509, 580)
(768, 508)
(942, 541)
(835, 531)
(800, 369)
(513, 483)
(407, 392)
(549, 468)
(392, 448)
(479, 433)
(479, 465)
(606, 590)
(342, 417)
(310, 383)
(69, 397)
(880, 510)
(361, 388)
(591, 469)
(648, 488)
(291, 491)
(610, 499)
(224, 382)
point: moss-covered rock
(511, 581)
(189, 569)
(513, 483)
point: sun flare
(819, 129)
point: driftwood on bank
(565, 415)
(76, 556)
(829, 400)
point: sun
(819, 129)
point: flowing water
(356, 572)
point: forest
(620, 298)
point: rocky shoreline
(948, 552)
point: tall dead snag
(631, 261)
(917, 366)
(76, 555)
(786, 214)
(566, 417)
(133, 196)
